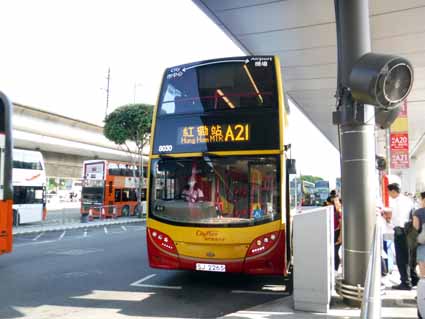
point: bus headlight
(262, 244)
(162, 241)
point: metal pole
(107, 91)
(356, 122)
(371, 304)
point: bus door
(6, 190)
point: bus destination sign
(215, 133)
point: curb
(50, 228)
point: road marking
(62, 235)
(38, 236)
(136, 228)
(253, 292)
(35, 243)
(123, 228)
(105, 229)
(139, 284)
(258, 314)
(75, 252)
(113, 295)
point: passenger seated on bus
(192, 194)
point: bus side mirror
(290, 166)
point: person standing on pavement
(401, 207)
(418, 221)
(337, 230)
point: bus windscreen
(234, 191)
(209, 87)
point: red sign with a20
(399, 141)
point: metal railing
(371, 303)
(112, 209)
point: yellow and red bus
(6, 188)
(109, 189)
(218, 187)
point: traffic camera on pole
(383, 81)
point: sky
(55, 56)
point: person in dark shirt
(418, 221)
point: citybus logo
(209, 235)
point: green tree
(311, 178)
(129, 126)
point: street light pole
(136, 85)
(108, 78)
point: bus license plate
(210, 267)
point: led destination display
(217, 133)
(202, 134)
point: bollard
(102, 213)
(90, 214)
(114, 212)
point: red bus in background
(6, 188)
(109, 189)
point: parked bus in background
(322, 192)
(29, 187)
(6, 188)
(109, 189)
(302, 192)
(307, 192)
(338, 186)
(218, 187)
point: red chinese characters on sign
(399, 141)
(399, 159)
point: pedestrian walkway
(29, 229)
(395, 304)
(56, 205)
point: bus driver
(192, 192)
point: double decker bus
(322, 191)
(109, 189)
(29, 187)
(218, 187)
(6, 189)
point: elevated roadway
(65, 142)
